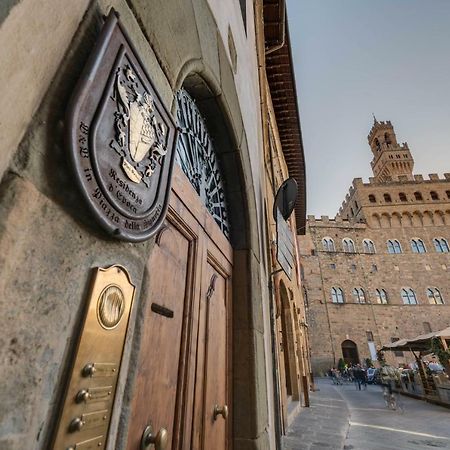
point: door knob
(220, 411)
(159, 440)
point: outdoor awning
(419, 343)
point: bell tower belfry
(391, 161)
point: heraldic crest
(140, 137)
(121, 138)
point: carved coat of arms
(140, 137)
(121, 138)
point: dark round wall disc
(285, 198)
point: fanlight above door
(198, 160)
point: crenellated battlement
(431, 177)
(337, 221)
(421, 190)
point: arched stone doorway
(350, 352)
(288, 346)
(209, 335)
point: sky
(353, 58)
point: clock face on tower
(197, 158)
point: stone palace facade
(379, 271)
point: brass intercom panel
(86, 414)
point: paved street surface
(343, 418)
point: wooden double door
(182, 387)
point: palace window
(359, 295)
(418, 246)
(447, 193)
(434, 195)
(441, 245)
(408, 296)
(348, 245)
(434, 296)
(394, 246)
(369, 335)
(402, 197)
(372, 198)
(427, 327)
(387, 198)
(418, 196)
(337, 295)
(381, 296)
(328, 244)
(368, 246)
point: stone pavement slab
(417, 426)
(344, 418)
(323, 425)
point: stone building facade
(196, 367)
(379, 271)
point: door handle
(220, 411)
(159, 440)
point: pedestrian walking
(358, 373)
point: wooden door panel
(215, 378)
(157, 383)
(212, 386)
(184, 361)
(188, 198)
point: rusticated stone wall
(49, 242)
(331, 324)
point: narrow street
(343, 418)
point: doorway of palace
(182, 388)
(288, 345)
(350, 352)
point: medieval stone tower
(391, 161)
(380, 270)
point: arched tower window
(417, 246)
(359, 295)
(402, 197)
(372, 198)
(381, 296)
(434, 296)
(348, 245)
(368, 246)
(434, 195)
(328, 244)
(394, 246)
(387, 139)
(198, 160)
(418, 196)
(441, 245)
(408, 296)
(387, 198)
(447, 193)
(337, 295)
(377, 144)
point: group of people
(353, 373)
(358, 374)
